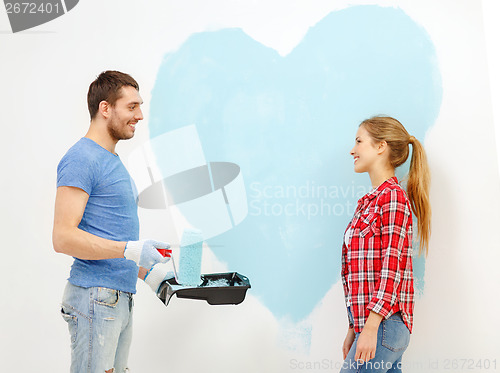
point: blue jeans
(393, 338)
(100, 326)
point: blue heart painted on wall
(289, 123)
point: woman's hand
(367, 341)
(348, 341)
(367, 345)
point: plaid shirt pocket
(368, 225)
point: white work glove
(145, 252)
(157, 275)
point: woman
(377, 271)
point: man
(96, 222)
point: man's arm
(68, 239)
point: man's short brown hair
(107, 87)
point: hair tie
(411, 140)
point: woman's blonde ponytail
(397, 138)
(417, 188)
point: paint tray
(215, 288)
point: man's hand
(145, 252)
(157, 275)
(142, 273)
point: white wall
(491, 9)
(45, 74)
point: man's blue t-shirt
(111, 212)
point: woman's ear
(382, 146)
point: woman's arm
(348, 341)
(395, 215)
(395, 220)
(367, 341)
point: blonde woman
(377, 272)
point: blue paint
(289, 123)
(190, 258)
(219, 283)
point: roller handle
(165, 252)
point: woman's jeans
(100, 326)
(392, 340)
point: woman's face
(365, 151)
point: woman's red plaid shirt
(377, 271)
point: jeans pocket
(72, 321)
(396, 335)
(107, 297)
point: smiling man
(96, 222)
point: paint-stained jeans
(392, 340)
(100, 326)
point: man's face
(125, 114)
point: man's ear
(104, 109)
